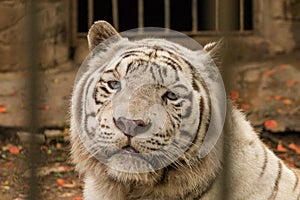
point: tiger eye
(114, 84)
(171, 96)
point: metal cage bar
(241, 12)
(140, 13)
(90, 12)
(167, 14)
(167, 17)
(32, 52)
(194, 16)
(217, 15)
(115, 14)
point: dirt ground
(267, 91)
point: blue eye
(114, 84)
(171, 96)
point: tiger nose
(131, 127)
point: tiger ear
(99, 32)
(216, 51)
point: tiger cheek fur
(152, 110)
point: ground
(267, 91)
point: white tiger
(140, 113)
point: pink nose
(131, 127)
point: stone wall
(278, 21)
(54, 43)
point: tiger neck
(189, 180)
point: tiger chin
(140, 113)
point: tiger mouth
(129, 149)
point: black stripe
(105, 89)
(172, 63)
(265, 162)
(195, 86)
(160, 75)
(296, 181)
(201, 107)
(188, 110)
(276, 184)
(129, 66)
(152, 73)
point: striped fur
(149, 69)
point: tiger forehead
(151, 56)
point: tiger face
(140, 106)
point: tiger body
(134, 103)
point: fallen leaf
(64, 168)
(58, 145)
(44, 107)
(270, 72)
(282, 67)
(66, 131)
(281, 148)
(9, 164)
(2, 109)
(60, 182)
(44, 148)
(291, 82)
(291, 164)
(278, 97)
(295, 147)
(268, 98)
(5, 187)
(26, 187)
(55, 81)
(245, 106)
(234, 95)
(5, 183)
(269, 124)
(23, 106)
(14, 150)
(70, 185)
(287, 101)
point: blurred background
(48, 37)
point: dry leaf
(287, 101)
(44, 148)
(270, 72)
(58, 145)
(70, 185)
(295, 147)
(44, 107)
(281, 148)
(268, 98)
(291, 82)
(245, 106)
(64, 168)
(291, 164)
(60, 182)
(282, 67)
(278, 97)
(9, 164)
(2, 109)
(269, 124)
(234, 95)
(14, 150)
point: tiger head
(140, 106)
